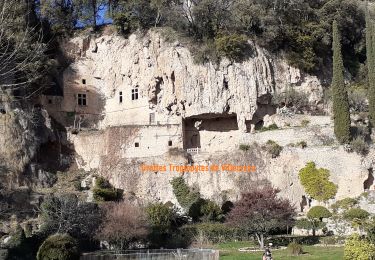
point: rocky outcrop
(175, 85)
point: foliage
(161, 217)
(260, 212)
(103, 191)
(358, 100)
(316, 182)
(273, 148)
(309, 224)
(302, 144)
(67, 214)
(59, 247)
(184, 195)
(358, 248)
(360, 146)
(295, 249)
(340, 96)
(269, 128)
(232, 46)
(318, 212)
(244, 147)
(123, 223)
(62, 15)
(356, 213)
(214, 232)
(205, 210)
(291, 98)
(344, 204)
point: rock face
(140, 76)
(174, 84)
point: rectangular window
(134, 93)
(82, 99)
(83, 81)
(169, 143)
(152, 118)
(120, 96)
(136, 144)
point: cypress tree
(340, 96)
(370, 53)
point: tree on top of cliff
(261, 212)
(316, 182)
(340, 96)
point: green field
(229, 251)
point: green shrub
(302, 144)
(344, 204)
(273, 148)
(360, 146)
(332, 240)
(291, 98)
(319, 212)
(58, 247)
(356, 213)
(316, 182)
(161, 217)
(103, 191)
(214, 232)
(305, 122)
(184, 195)
(205, 210)
(233, 46)
(358, 248)
(244, 147)
(295, 249)
(269, 128)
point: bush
(273, 148)
(316, 182)
(58, 247)
(305, 122)
(292, 99)
(295, 249)
(184, 195)
(360, 146)
(214, 232)
(302, 144)
(332, 240)
(318, 212)
(269, 128)
(358, 248)
(345, 204)
(356, 213)
(244, 147)
(358, 99)
(233, 46)
(103, 191)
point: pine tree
(370, 49)
(340, 95)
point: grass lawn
(229, 251)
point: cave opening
(369, 182)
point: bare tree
(123, 223)
(21, 47)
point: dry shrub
(123, 223)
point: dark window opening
(152, 118)
(49, 101)
(169, 143)
(120, 96)
(136, 144)
(134, 93)
(82, 100)
(83, 81)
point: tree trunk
(260, 238)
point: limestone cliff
(174, 85)
(216, 102)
